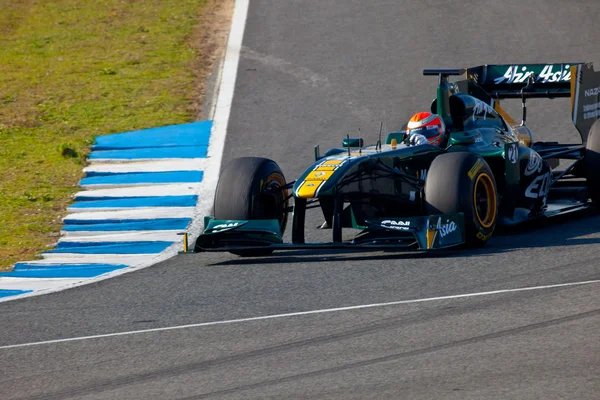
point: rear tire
(463, 182)
(592, 163)
(238, 195)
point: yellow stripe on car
(430, 238)
(509, 120)
(308, 189)
(317, 177)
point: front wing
(422, 232)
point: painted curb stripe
(128, 236)
(32, 285)
(26, 270)
(170, 151)
(71, 235)
(175, 189)
(144, 178)
(126, 202)
(192, 134)
(147, 247)
(61, 245)
(150, 153)
(98, 168)
(128, 225)
(79, 258)
(7, 293)
(133, 214)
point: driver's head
(429, 125)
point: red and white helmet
(429, 125)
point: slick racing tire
(238, 195)
(463, 182)
(592, 163)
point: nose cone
(315, 177)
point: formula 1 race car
(488, 171)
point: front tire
(463, 182)
(248, 189)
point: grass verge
(71, 70)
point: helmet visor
(429, 132)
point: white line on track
(301, 313)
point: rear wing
(532, 80)
(578, 81)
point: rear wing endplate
(585, 98)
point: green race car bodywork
(380, 189)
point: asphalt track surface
(311, 72)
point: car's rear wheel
(463, 182)
(592, 163)
(250, 188)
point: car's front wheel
(462, 182)
(249, 188)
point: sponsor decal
(590, 115)
(549, 75)
(513, 153)
(591, 111)
(483, 237)
(223, 227)
(520, 74)
(422, 174)
(317, 177)
(478, 139)
(481, 108)
(397, 225)
(445, 229)
(307, 189)
(592, 92)
(534, 164)
(475, 169)
(539, 187)
(591, 107)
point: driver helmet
(429, 125)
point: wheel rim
(273, 182)
(484, 200)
